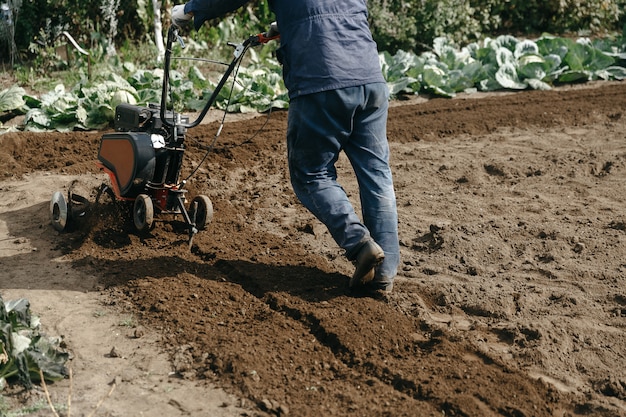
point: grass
(99, 313)
(128, 321)
(9, 410)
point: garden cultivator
(143, 157)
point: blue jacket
(324, 44)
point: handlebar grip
(271, 34)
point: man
(338, 102)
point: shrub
(564, 16)
(414, 24)
(410, 25)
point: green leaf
(599, 61)
(574, 76)
(486, 55)
(434, 76)
(398, 86)
(441, 91)
(18, 313)
(536, 84)
(553, 61)
(12, 98)
(25, 352)
(617, 73)
(526, 47)
(32, 102)
(505, 41)
(448, 54)
(38, 118)
(129, 67)
(45, 354)
(81, 115)
(146, 96)
(532, 66)
(487, 78)
(280, 103)
(576, 57)
(396, 67)
(507, 77)
(197, 78)
(386, 61)
(504, 56)
(550, 45)
(553, 67)
(19, 343)
(64, 118)
(473, 71)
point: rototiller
(143, 157)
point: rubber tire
(143, 213)
(204, 211)
(59, 211)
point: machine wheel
(204, 211)
(59, 213)
(143, 213)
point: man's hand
(179, 17)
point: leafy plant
(413, 25)
(24, 351)
(258, 87)
(12, 99)
(89, 105)
(504, 62)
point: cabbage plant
(25, 353)
(501, 63)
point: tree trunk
(158, 29)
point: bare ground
(510, 300)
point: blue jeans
(353, 120)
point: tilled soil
(510, 299)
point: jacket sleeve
(204, 10)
